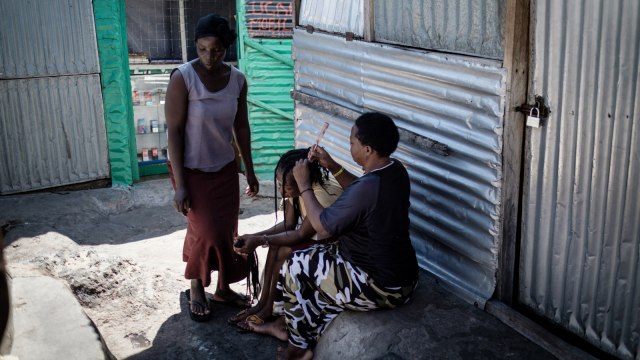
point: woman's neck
(377, 164)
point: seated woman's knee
(283, 253)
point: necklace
(380, 168)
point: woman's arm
(242, 133)
(175, 109)
(248, 243)
(311, 203)
(289, 238)
(319, 154)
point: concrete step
(49, 323)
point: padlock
(533, 120)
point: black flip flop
(194, 316)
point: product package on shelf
(148, 98)
(161, 96)
(136, 97)
(155, 126)
(154, 153)
(141, 127)
(145, 154)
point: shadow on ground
(181, 338)
(105, 216)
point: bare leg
(292, 352)
(282, 252)
(223, 291)
(270, 270)
(198, 298)
(267, 293)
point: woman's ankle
(264, 314)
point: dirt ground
(120, 252)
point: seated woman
(285, 236)
(371, 265)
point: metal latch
(536, 113)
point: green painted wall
(268, 67)
(111, 33)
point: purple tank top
(210, 118)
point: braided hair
(287, 161)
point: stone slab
(49, 322)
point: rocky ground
(119, 251)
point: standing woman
(206, 108)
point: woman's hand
(301, 174)
(181, 201)
(253, 186)
(246, 244)
(319, 154)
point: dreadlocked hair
(287, 161)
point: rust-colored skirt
(212, 223)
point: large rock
(435, 324)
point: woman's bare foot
(231, 298)
(293, 353)
(198, 303)
(244, 314)
(277, 328)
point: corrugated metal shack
(449, 99)
(66, 105)
(51, 111)
(580, 243)
(66, 111)
(543, 218)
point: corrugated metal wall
(580, 263)
(47, 38)
(46, 138)
(462, 26)
(455, 100)
(51, 115)
(268, 66)
(337, 16)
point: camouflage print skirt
(316, 284)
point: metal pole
(183, 32)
